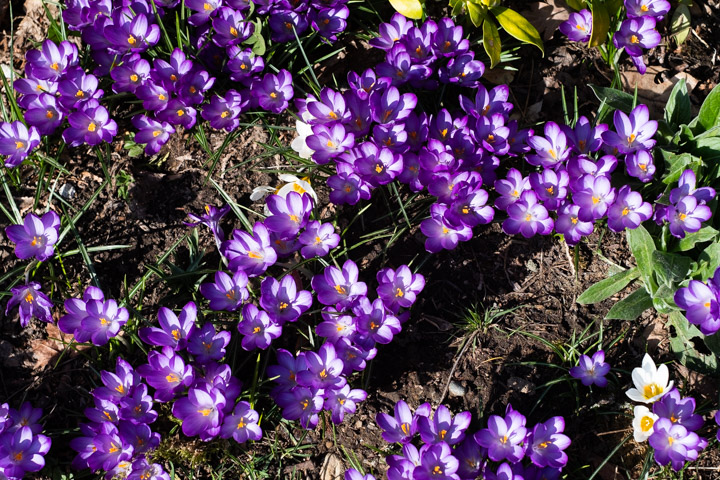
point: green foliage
(481, 14)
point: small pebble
(67, 191)
(456, 390)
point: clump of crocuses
(701, 302)
(670, 425)
(447, 451)
(22, 445)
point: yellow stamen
(333, 115)
(19, 145)
(92, 127)
(132, 40)
(192, 89)
(595, 200)
(29, 298)
(172, 378)
(205, 411)
(256, 330)
(634, 39)
(80, 94)
(273, 95)
(162, 97)
(399, 292)
(176, 334)
(55, 66)
(134, 78)
(224, 114)
(283, 305)
(241, 424)
(649, 391)
(644, 8)
(180, 112)
(207, 6)
(625, 211)
(379, 168)
(528, 217)
(49, 114)
(631, 138)
(340, 289)
(682, 217)
(233, 31)
(574, 220)
(552, 153)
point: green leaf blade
(610, 286)
(518, 27)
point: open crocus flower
(643, 423)
(651, 382)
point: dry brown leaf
(47, 351)
(651, 92)
(546, 16)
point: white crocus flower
(651, 382)
(643, 423)
(299, 143)
(291, 184)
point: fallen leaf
(47, 351)
(546, 16)
(652, 92)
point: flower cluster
(209, 409)
(671, 425)
(56, 88)
(93, 318)
(22, 445)
(353, 325)
(576, 186)
(636, 32)
(591, 370)
(688, 206)
(449, 453)
(32, 303)
(286, 19)
(118, 437)
(701, 302)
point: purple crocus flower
(448, 40)
(444, 427)
(167, 373)
(347, 187)
(178, 112)
(527, 217)
(686, 186)
(77, 310)
(136, 35)
(634, 132)
(330, 21)
(471, 458)
(282, 301)
(91, 125)
(678, 410)
(169, 74)
(230, 27)
(591, 370)
(570, 226)
(511, 188)
(257, 328)
(639, 164)
(211, 219)
(36, 237)
(22, 452)
(339, 287)
(585, 138)
(673, 443)
(243, 64)
(582, 168)
(285, 24)
(329, 141)
(203, 9)
(551, 150)
(329, 108)
(463, 70)
(32, 302)
(389, 33)
(377, 166)
(17, 141)
(441, 233)
(302, 404)
(174, 331)
(578, 26)
(51, 61)
(43, 113)
(133, 72)
(547, 442)
(318, 239)
(352, 474)
(399, 288)
(628, 210)
(400, 68)
(199, 411)
(155, 96)
(635, 34)
(273, 92)
(343, 401)
(76, 88)
(251, 253)
(242, 424)
(686, 216)
(324, 369)
(594, 199)
(152, 133)
(402, 427)
(504, 472)
(103, 321)
(373, 322)
(391, 106)
(226, 293)
(192, 87)
(436, 463)
(487, 103)
(289, 213)
(701, 303)
(142, 470)
(205, 345)
(641, 8)
(224, 112)
(503, 436)
(551, 187)
(118, 385)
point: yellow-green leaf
(600, 24)
(477, 13)
(410, 8)
(517, 26)
(491, 41)
(576, 4)
(680, 24)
